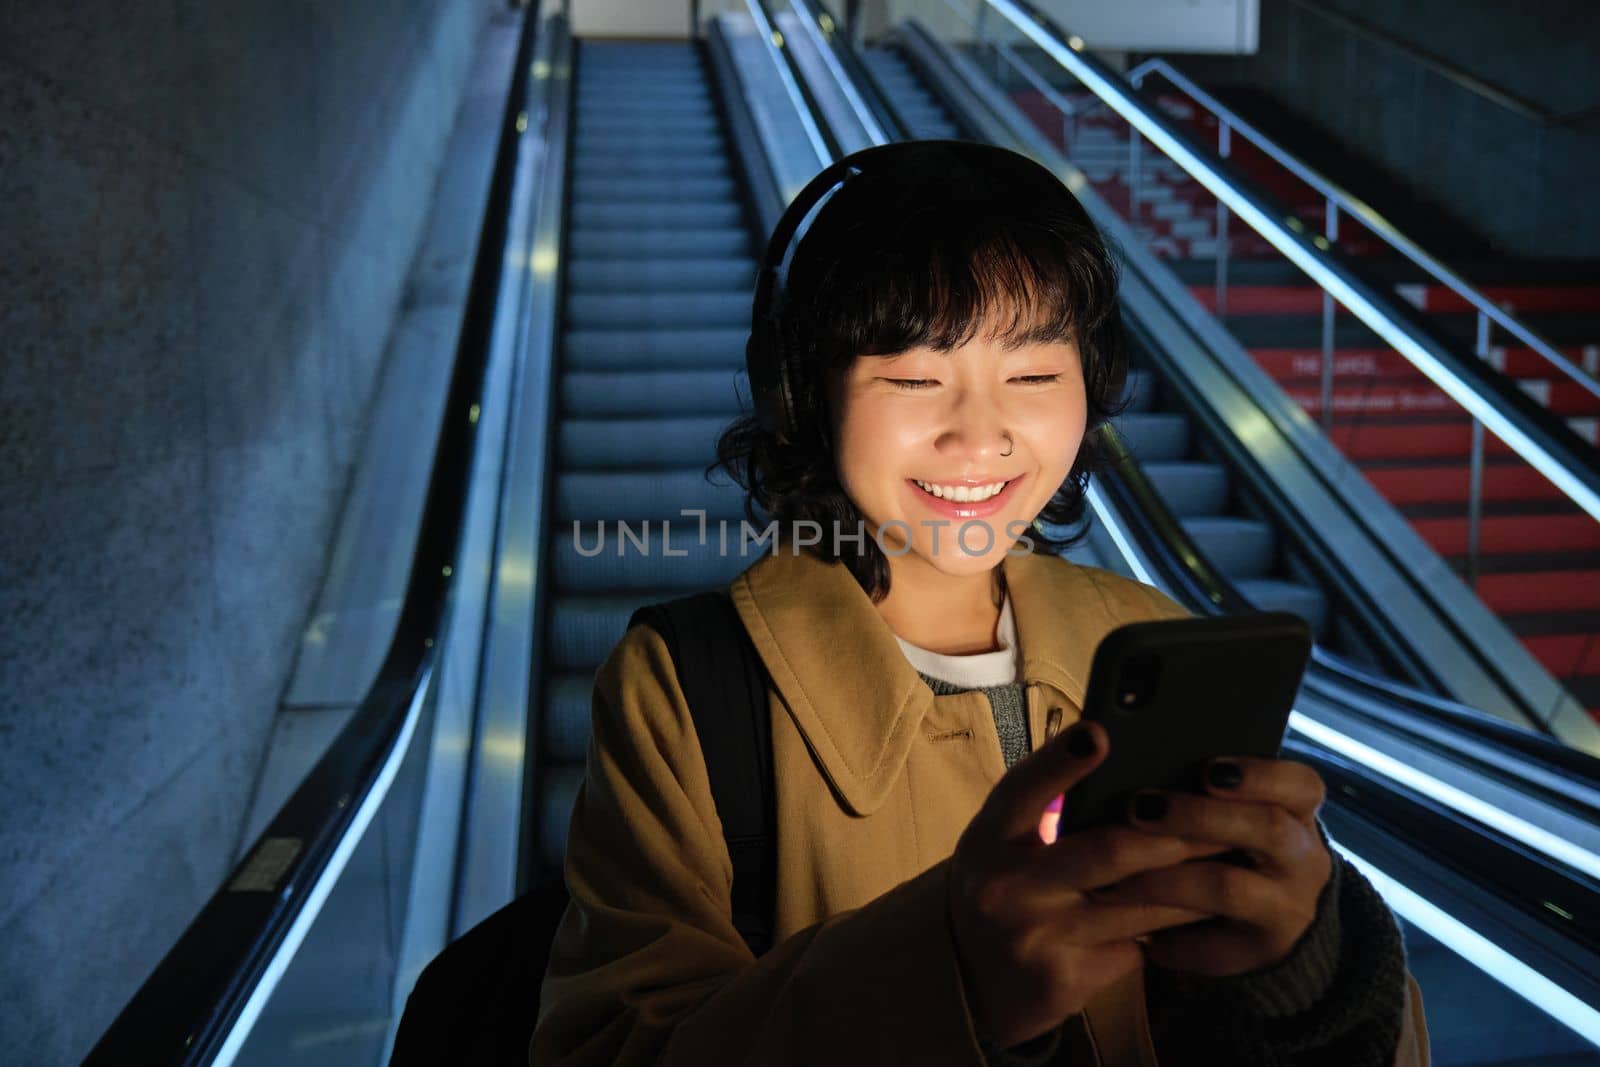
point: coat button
(1052, 722)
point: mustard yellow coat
(876, 778)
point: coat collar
(852, 693)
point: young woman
(935, 335)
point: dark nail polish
(1080, 742)
(1225, 774)
(1149, 807)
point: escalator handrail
(185, 1010)
(820, 27)
(1369, 217)
(821, 135)
(891, 123)
(1546, 908)
(1539, 437)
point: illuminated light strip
(771, 36)
(324, 885)
(1475, 948)
(1493, 419)
(1518, 829)
(1551, 844)
(1124, 545)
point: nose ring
(1011, 446)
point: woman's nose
(980, 434)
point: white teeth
(962, 493)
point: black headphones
(767, 353)
(766, 358)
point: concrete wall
(209, 208)
(1527, 185)
(636, 18)
(1219, 26)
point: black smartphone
(1173, 695)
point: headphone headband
(765, 356)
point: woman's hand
(1032, 944)
(1267, 809)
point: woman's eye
(1041, 379)
(909, 383)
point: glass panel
(339, 999)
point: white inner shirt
(979, 670)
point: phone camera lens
(1138, 683)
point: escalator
(661, 247)
(631, 266)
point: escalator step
(648, 144)
(636, 496)
(665, 554)
(660, 310)
(625, 125)
(659, 244)
(1271, 594)
(684, 349)
(1238, 547)
(639, 105)
(654, 187)
(624, 162)
(589, 395)
(1155, 435)
(1188, 488)
(584, 628)
(736, 273)
(637, 444)
(672, 215)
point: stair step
(640, 443)
(638, 393)
(648, 350)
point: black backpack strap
(726, 687)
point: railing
(1335, 199)
(820, 138)
(818, 25)
(1546, 443)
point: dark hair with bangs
(926, 249)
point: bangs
(1022, 282)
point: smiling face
(943, 419)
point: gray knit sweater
(1336, 999)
